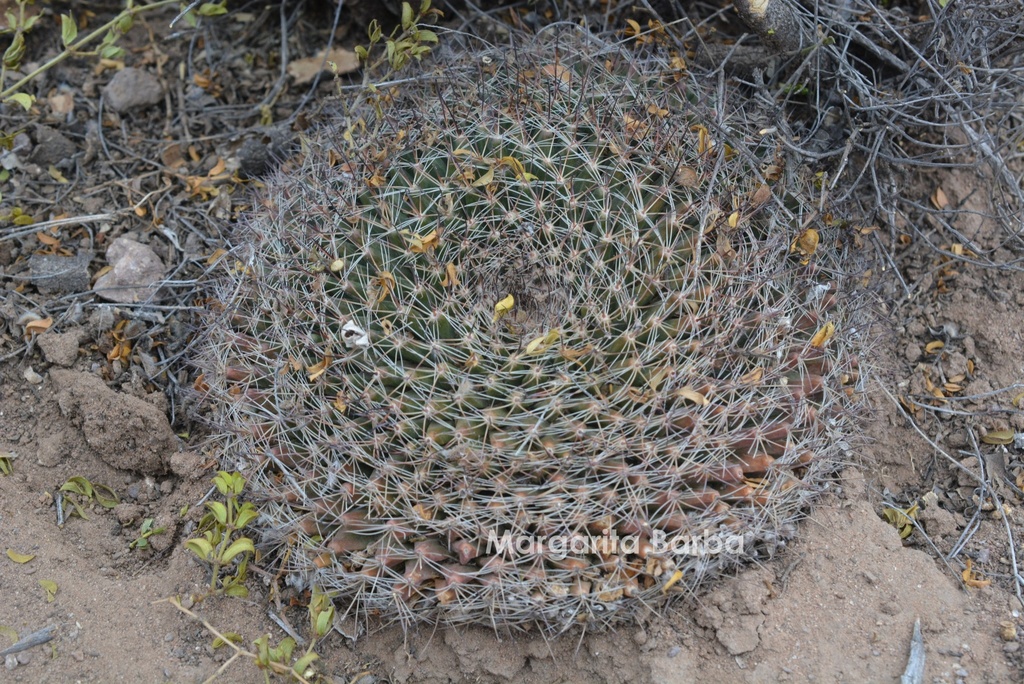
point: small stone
(79, 656)
(61, 349)
(32, 377)
(166, 487)
(674, 651)
(1012, 647)
(132, 88)
(913, 352)
(60, 275)
(135, 273)
(169, 637)
(24, 658)
(133, 491)
(870, 577)
(128, 514)
(52, 147)
(186, 464)
(1008, 631)
(10, 662)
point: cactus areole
(538, 339)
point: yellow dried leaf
(383, 284)
(672, 581)
(339, 403)
(933, 347)
(557, 71)
(503, 307)
(517, 168)
(543, 342)
(320, 368)
(998, 437)
(970, 577)
(37, 327)
(703, 139)
(56, 175)
(939, 199)
(692, 395)
(575, 354)
(216, 256)
(902, 520)
(451, 276)
(337, 265)
(823, 335)
(47, 240)
(753, 377)
(19, 557)
(806, 243)
(420, 244)
(51, 589)
(734, 219)
(484, 179)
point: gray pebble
(132, 88)
(674, 651)
(60, 275)
(10, 662)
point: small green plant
(145, 532)
(6, 468)
(78, 491)
(406, 42)
(270, 659)
(220, 544)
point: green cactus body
(583, 319)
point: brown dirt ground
(838, 605)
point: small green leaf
(233, 637)
(78, 485)
(407, 17)
(200, 547)
(303, 663)
(323, 622)
(212, 9)
(427, 36)
(105, 496)
(111, 52)
(219, 510)
(68, 29)
(246, 515)
(237, 590)
(242, 545)
(24, 99)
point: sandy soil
(838, 605)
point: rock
(129, 514)
(32, 377)
(122, 431)
(262, 152)
(938, 522)
(51, 449)
(186, 464)
(61, 349)
(132, 88)
(135, 273)
(60, 275)
(52, 147)
(913, 352)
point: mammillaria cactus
(505, 339)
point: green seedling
(78, 491)
(145, 532)
(220, 544)
(6, 467)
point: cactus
(541, 294)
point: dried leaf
(451, 276)
(304, 70)
(383, 284)
(753, 377)
(216, 256)
(503, 307)
(56, 175)
(933, 347)
(806, 243)
(703, 139)
(823, 335)
(734, 219)
(420, 244)
(672, 581)
(692, 395)
(970, 577)
(319, 369)
(543, 342)
(484, 179)
(51, 589)
(36, 327)
(998, 437)
(557, 71)
(19, 557)
(902, 520)
(48, 240)
(939, 199)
